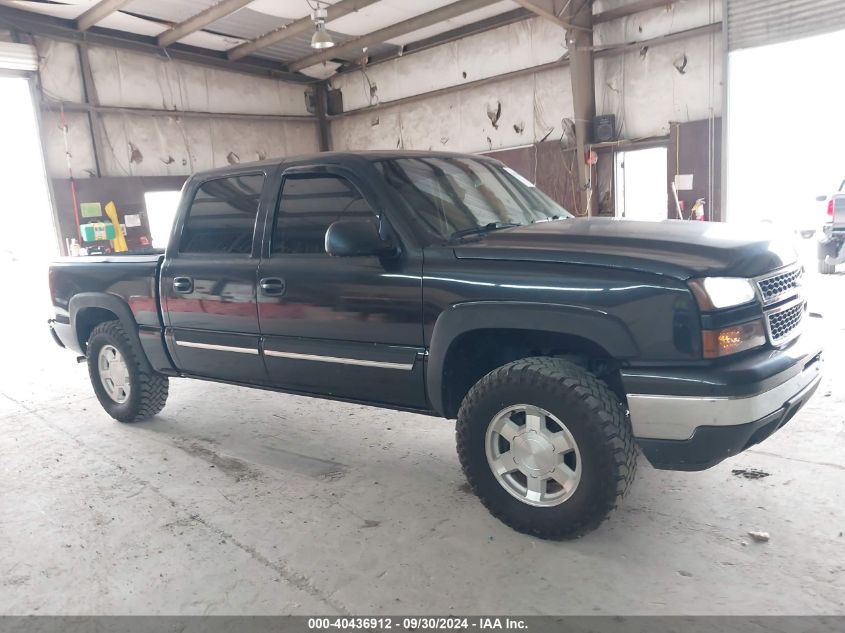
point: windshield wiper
(486, 228)
(551, 218)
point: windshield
(454, 196)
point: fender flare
(117, 305)
(596, 326)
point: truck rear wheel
(825, 268)
(546, 446)
(126, 389)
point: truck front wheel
(546, 446)
(126, 389)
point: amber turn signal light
(733, 339)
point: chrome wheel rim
(114, 373)
(533, 455)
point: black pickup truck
(448, 285)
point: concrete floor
(248, 502)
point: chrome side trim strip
(677, 417)
(218, 348)
(343, 361)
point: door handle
(183, 284)
(273, 286)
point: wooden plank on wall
(695, 148)
(549, 166)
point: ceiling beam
(97, 12)
(482, 26)
(72, 106)
(302, 25)
(200, 20)
(357, 44)
(631, 8)
(616, 49)
(546, 10)
(28, 22)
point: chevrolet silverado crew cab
(448, 285)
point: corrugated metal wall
(761, 22)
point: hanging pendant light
(321, 38)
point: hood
(679, 248)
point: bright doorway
(161, 212)
(785, 131)
(641, 184)
(30, 233)
(28, 237)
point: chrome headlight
(715, 293)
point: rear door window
(221, 219)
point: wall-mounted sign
(91, 209)
(683, 182)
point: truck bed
(131, 278)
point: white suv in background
(831, 248)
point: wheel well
(475, 354)
(89, 318)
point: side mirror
(357, 238)
(821, 198)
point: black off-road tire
(825, 268)
(148, 389)
(594, 416)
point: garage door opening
(785, 131)
(641, 184)
(28, 232)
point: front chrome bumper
(678, 417)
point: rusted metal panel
(549, 166)
(695, 147)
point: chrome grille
(783, 323)
(780, 285)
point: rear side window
(222, 216)
(308, 205)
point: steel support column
(580, 43)
(321, 98)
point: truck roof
(337, 158)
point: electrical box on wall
(311, 101)
(334, 98)
(334, 101)
(604, 128)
